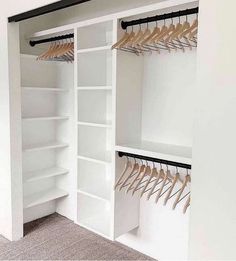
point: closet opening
(107, 121)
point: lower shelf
(94, 214)
(99, 224)
(43, 197)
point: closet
(80, 117)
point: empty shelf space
(159, 150)
(98, 224)
(94, 88)
(101, 158)
(94, 194)
(43, 197)
(93, 124)
(50, 118)
(44, 173)
(45, 146)
(95, 49)
(94, 214)
(44, 89)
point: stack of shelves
(94, 123)
(43, 133)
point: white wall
(213, 211)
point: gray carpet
(57, 238)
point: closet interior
(98, 97)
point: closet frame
(119, 204)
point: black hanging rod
(165, 162)
(155, 18)
(52, 39)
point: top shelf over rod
(45, 89)
(94, 49)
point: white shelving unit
(46, 122)
(70, 139)
(95, 129)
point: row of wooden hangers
(149, 179)
(62, 50)
(170, 37)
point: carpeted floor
(57, 238)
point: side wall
(213, 211)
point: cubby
(95, 36)
(97, 180)
(95, 107)
(94, 142)
(95, 68)
(94, 214)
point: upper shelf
(44, 89)
(159, 150)
(94, 49)
(96, 36)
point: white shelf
(45, 146)
(103, 159)
(52, 118)
(44, 173)
(159, 150)
(102, 195)
(99, 125)
(94, 88)
(45, 89)
(43, 197)
(95, 49)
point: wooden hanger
(153, 174)
(174, 181)
(127, 166)
(142, 168)
(187, 204)
(125, 36)
(154, 33)
(146, 172)
(187, 179)
(44, 55)
(164, 183)
(164, 31)
(131, 174)
(161, 175)
(189, 30)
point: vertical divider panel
(75, 145)
(125, 208)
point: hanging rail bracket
(162, 161)
(155, 18)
